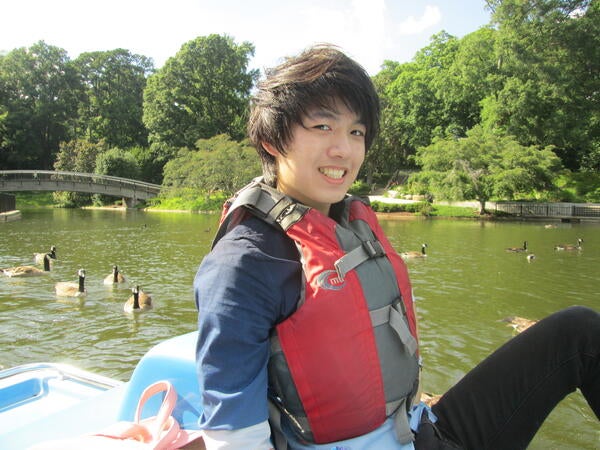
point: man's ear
(271, 149)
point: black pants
(503, 401)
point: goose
(115, 277)
(70, 288)
(39, 257)
(570, 246)
(518, 249)
(28, 271)
(138, 301)
(415, 254)
(519, 324)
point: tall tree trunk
(482, 210)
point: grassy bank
(191, 202)
(426, 209)
(28, 200)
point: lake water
(462, 289)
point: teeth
(332, 173)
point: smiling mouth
(332, 173)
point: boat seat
(173, 360)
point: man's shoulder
(255, 234)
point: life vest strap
(389, 314)
(277, 434)
(266, 203)
(366, 251)
(254, 198)
(402, 426)
(270, 205)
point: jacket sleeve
(242, 289)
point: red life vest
(346, 359)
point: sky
(370, 31)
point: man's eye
(357, 132)
(322, 127)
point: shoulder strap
(264, 202)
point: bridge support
(130, 202)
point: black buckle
(373, 248)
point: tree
(431, 96)
(38, 89)
(117, 163)
(415, 106)
(388, 151)
(111, 108)
(483, 165)
(219, 164)
(151, 160)
(549, 56)
(77, 155)
(201, 92)
(472, 74)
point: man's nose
(340, 145)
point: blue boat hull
(39, 402)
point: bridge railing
(77, 177)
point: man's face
(323, 158)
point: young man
(307, 333)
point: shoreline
(398, 215)
(10, 216)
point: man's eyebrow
(326, 113)
(322, 113)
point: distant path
(565, 212)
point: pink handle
(163, 420)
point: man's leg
(503, 401)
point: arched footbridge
(49, 180)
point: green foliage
(484, 165)
(436, 94)
(531, 74)
(77, 155)
(151, 161)
(38, 89)
(528, 76)
(591, 161)
(453, 211)
(111, 103)
(579, 187)
(218, 165)
(425, 209)
(201, 92)
(385, 207)
(30, 199)
(117, 163)
(188, 199)
(359, 188)
(547, 52)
